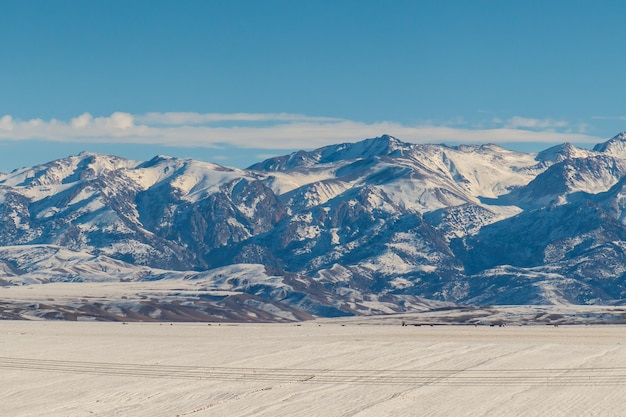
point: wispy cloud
(190, 118)
(274, 130)
(621, 118)
(518, 122)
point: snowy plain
(316, 368)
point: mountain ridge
(379, 219)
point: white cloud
(517, 122)
(6, 123)
(272, 130)
(82, 121)
(190, 118)
(621, 118)
(118, 120)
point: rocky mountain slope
(371, 227)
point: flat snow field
(312, 369)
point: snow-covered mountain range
(377, 226)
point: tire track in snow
(592, 376)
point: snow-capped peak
(561, 152)
(66, 170)
(615, 146)
(384, 145)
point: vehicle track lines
(589, 376)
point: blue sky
(235, 81)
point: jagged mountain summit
(376, 226)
